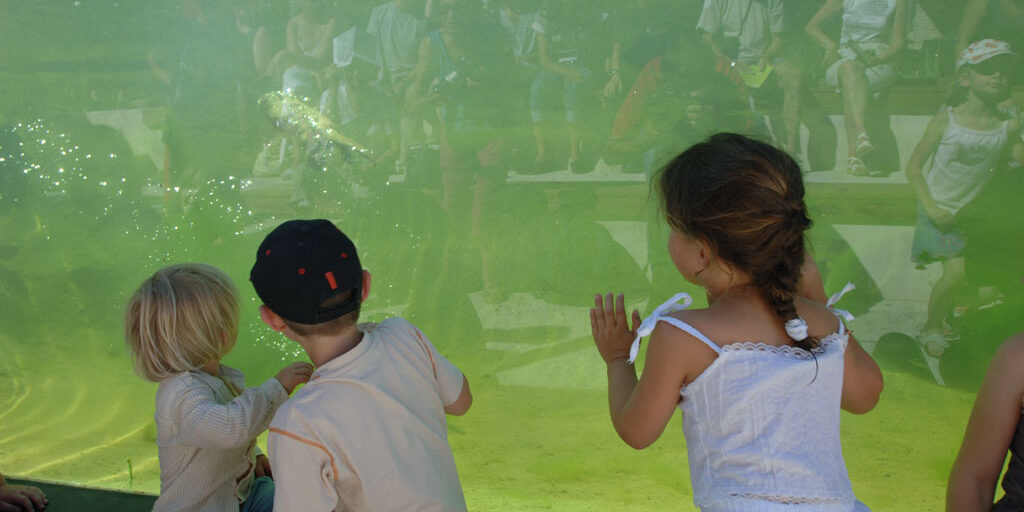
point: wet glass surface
(491, 192)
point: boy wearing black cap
(368, 432)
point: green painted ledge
(72, 498)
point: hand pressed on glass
(610, 328)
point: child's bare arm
(461, 404)
(972, 481)
(201, 420)
(862, 380)
(915, 166)
(640, 409)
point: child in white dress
(179, 324)
(761, 373)
(965, 142)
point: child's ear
(367, 279)
(272, 319)
(704, 252)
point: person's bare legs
(574, 144)
(854, 83)
(943, 298)
(792, 84)
(538, 135)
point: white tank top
(762, 425)
(866, 21)
(963, 163)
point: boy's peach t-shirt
(369, 432)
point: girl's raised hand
(611, 330)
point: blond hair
(181, 318)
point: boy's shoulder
(391, 326)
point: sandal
(864, 145)
(933, 344)
(928, 342)
(855, 166)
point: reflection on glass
(492, 159)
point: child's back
(206, 437)
(372, 423)
(368, 432)
(762, 419)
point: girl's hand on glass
(294, 374)
(574, 75)
(612, 333)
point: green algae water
(490, 204)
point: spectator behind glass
(211, 65)
(992, 19)
(747, 36)
(308, 50)
(400, 27)
(861, 64)
(995, 428)
(965, 142)
(570, 48)
(671, 105)
(354, 99)
(459, 80)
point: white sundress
(762, 424)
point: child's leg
(573, 92)
(854, 84)
(791, 81)
(945, 293)
(541, 90)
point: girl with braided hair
(761, 373)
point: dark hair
(745, 199)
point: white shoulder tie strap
(846, 315)
(647, 326)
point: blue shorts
(931, 243)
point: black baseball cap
(303, 263)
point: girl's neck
(720, 281)
(325, 349)
(977, 107)
(718, 297)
